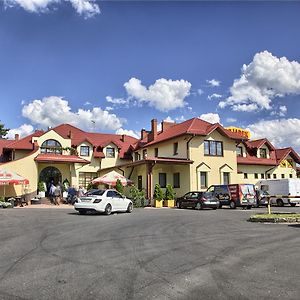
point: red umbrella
(111, 179)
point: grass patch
(276, 218)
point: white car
(105, 201)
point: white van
(281, 191)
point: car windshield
(94, 192)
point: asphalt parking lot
(149, 254)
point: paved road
(149, 254)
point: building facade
(191, 155)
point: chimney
(17, 136)
(70, 134)
(123, 138)
(153, 134)
(144, 133)
(165, 125)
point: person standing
(57, 194)
(51, 193)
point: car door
(119, 200)
(185, 200)
(110, 198)
(193, 199)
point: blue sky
(64, 61)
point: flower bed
(276, 218)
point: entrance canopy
(111, 179)
(9, 177)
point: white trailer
(281, 191)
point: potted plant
(119, 187)
(169, 196)
(158, 196)
(42, 189)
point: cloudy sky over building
(112, 66)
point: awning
(9, 177)
(58, 158)
(111, 179)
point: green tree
(3, 131)
(170, 193)
(119, 187)
(138, 197)
(158, 193)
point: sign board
(243, 132)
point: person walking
(51, 193)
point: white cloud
(52, 111)
(281, 132)
(109, 108)
(231, 120)
(164, 95)
(213, 82)
(180, 119)
(265, 78)
(23, 130)
(210, 117)
(87, 103)
(214, 96)
(128, 132)
(281, 112)
(86, 8)
(200, 92)
(116, 100)
(169, 119)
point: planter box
(158, 203)
(169, 203)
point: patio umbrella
(111, 179)
(11, 178)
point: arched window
(51, 146)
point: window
(213, 148)
(137, 156)
(282, 176)
(144, 153)
(291, 175)
(51, 146)
(85, 178)
(245, 175)
(255, 175)
(263, 153)
(140, 182)
(203, 180)
(162, 178)
(175, 148)
(156, 152)
(262, 176)
(226, 177)
(110, 152)
(176, 180)
(239, 151)
(274, 176)
(269, 176)
(84, 151)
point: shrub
(119, 187)
(170, 193)
(41, 186)
(138, 197)
(158, 193)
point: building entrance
(49, 175)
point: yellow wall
(217, 165)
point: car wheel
(279, 202)
(214, 208)
(82, 212)
(198, 206)
(108, 209)
(129, 208)
(293, 204)
(232, 205)
(178, 205)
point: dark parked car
(198, 200)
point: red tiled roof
(259, 143)
(4, 143)
(282, 154)
(96, 139)
(193, 126)
(57, 158)
(253, 160)
(24, 143)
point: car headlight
(97, 200)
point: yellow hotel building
(191, 155)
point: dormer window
(110, 152)
(84, 151)
(51, 146)
(263, 153)
(239, 151)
